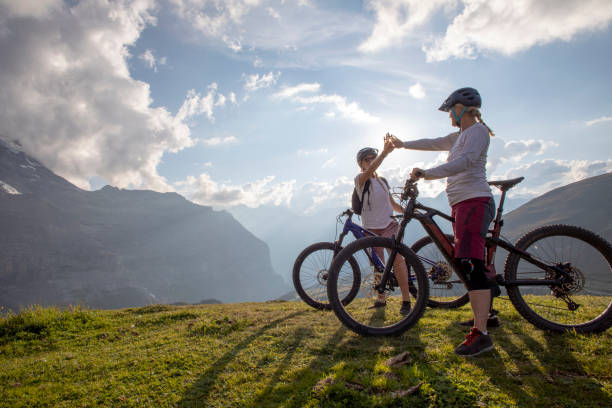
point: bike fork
(380, 288)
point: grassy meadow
(286, 354)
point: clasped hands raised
(393, 142)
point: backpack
(356, 202)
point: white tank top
(376, 210)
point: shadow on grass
(354, 363)
(353, 359)
(198, 394)
(548, 369)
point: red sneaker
(475, 343)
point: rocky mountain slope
(115, 248)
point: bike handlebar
(410, 189)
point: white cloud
(598, 120)
(203, 190)
(196, 104)
(255, 82)
(306, 153)
(31, 8)
(397, 176)
(216, 18)
(273, 13)
(544, 175)
(288, 92)
(398, 19)
(151, 61)
(501, 26)
(316, 194)
(348, 110)
(501, 151)
(417, 91)
(329, 163)
(244, 25)
(74, 104)
(216, 141)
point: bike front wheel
(446, 289)
(361, 315)
(311, 270)
(583, 302)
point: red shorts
(472, 219)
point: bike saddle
(505, 185)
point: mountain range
(114, 248)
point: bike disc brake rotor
(368, 284)
(322, 277)
(574, 282)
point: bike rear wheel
(446, 289)
(584, 301)
(360, 315)
(310, 275)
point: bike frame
(358, 232)
(424, 214)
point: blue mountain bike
(310, 271)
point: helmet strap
(458, 118)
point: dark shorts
(472, 219)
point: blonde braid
(476, 112)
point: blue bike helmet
(365, 152)
(464, 96)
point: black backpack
(356, 202)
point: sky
(266, 102)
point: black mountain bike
(558, 277)
(310, 271)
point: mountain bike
(310, 271)
(558, 277)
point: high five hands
(389, 146)
(416, 173)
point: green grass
(285, 354)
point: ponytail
(474, 111)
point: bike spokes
(371, 310)
(446, 290)
(581, 262)
(311, 274)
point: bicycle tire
(591, 274)
(325, 251)
(358, 316)
(440, 294)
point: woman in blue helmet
(471, 201)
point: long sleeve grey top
(465, 165)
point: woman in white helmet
(376, 211)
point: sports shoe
(378, 304)
(475, 343)
(405, 309)
(492, 321)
